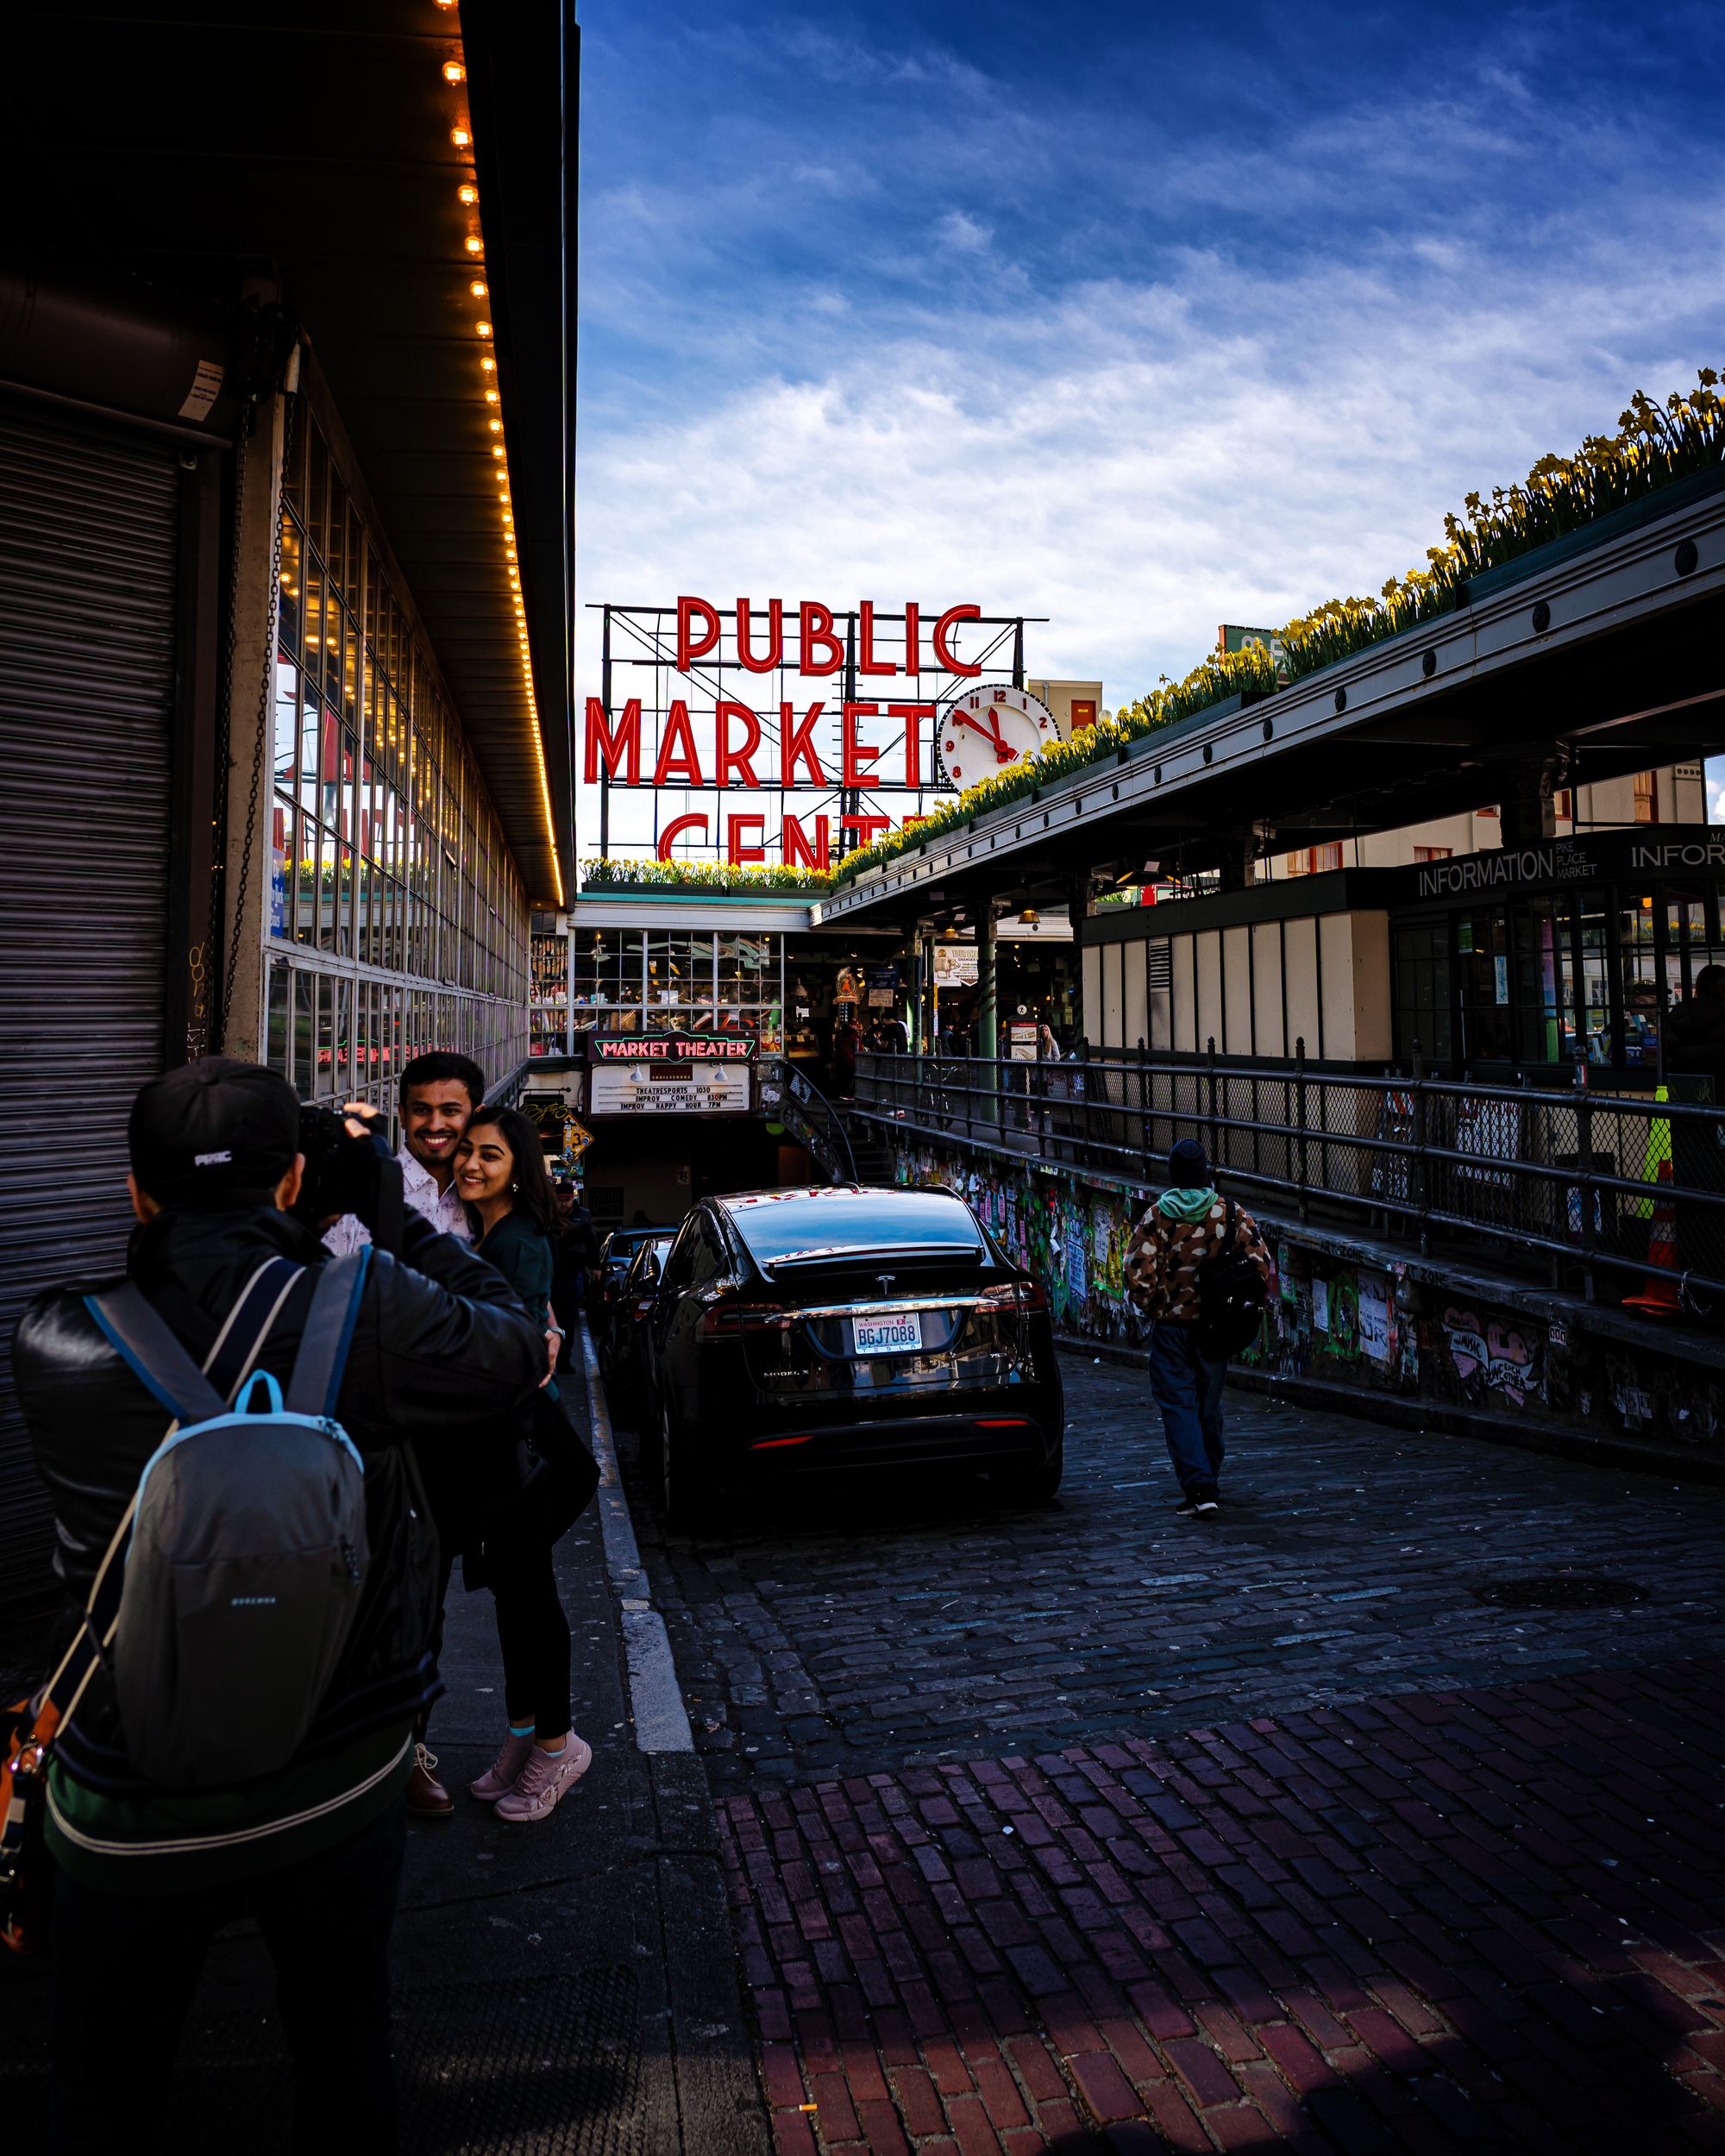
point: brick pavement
(1490, 1918)
(846, 1631)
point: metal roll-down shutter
(88, 547)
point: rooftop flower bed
(701, 875)
(1656, 445)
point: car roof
(823, 1222)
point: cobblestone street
(1094, 1828)
(843, 1630)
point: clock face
(988, 727)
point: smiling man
(439, 1092)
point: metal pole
(604, 773)
(988, 1006)
(1017, 653)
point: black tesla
(803, 1330)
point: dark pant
(534, 1635)
(125, 1967)
(1188, 1388)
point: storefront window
(369, 768)
(1424, 990)
(1482, 970)
(1641, 982)
(1592, 939)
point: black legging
(534, 1635)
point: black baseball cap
(1188, 1169)
(217, 1132)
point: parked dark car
(604, 1282)
(626, 1347)
(797, 1331)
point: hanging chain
(260, 751)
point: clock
(992, 726)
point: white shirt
(443, 1208)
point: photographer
(313, 1851)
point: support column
(913, 967)
(246, 862)
(987, 1004)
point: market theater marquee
(861, 719)
(670, 1074)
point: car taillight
(1018, 1294)
(643, 1305)
(725, 1319)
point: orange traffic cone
(1660, 1298)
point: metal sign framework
(638, 657)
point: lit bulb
(468, 192)
(491, 396)
(460, 137)
(488, 366)
(453, 70)
(496, 425)
(478, 288)
(473, 244)
(482, 328)
(497, 449)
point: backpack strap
(155, 1356)
(316, 1379)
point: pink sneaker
(544, 1780)
(500, 1776)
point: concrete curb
(661, 1721)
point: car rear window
(781, 1226)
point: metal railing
(812, 1120)
(1567, 1182)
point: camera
(342, 1172)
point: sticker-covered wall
(1361, 1319)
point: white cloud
(963, 233)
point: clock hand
(991, 733)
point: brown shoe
(427, 1798)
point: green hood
(1186, 1205)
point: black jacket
(442, 1346)
(1695, 1035)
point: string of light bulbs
(468, 193)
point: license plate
(898, 1335)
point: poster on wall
(1374, 1317)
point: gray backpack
(247, 1549)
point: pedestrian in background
(500, 1173)
(1190, 1226)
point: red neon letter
(866, 660)
(735, 850)
(864, 826)
(684, 767)
(913, 715)
(796, 745)
(674, 829)
(687, 649)
(795, 846)
(729, 758)
(816, 623)
(943, 629)
(857, 756)
(912, 637)
(775, 638)
(622, 747)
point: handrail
(802, 1103)
(1572, 1179)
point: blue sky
(1136, 318)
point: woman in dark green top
(501, 1174)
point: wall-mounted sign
(954, 965)
(670, 1074)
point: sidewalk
(1441, 1921)
(567, 1988)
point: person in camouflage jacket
(1170, 1244)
